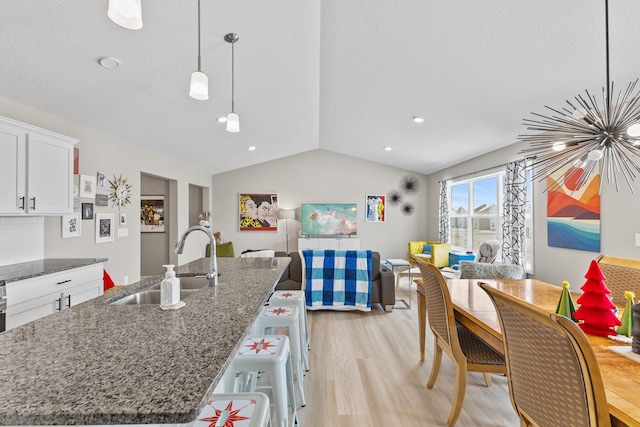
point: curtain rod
(470, 174)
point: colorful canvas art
(258, 212)
(376, 209)
(329, 219)
(573, 212)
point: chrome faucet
(213, 267)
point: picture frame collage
(99, 189)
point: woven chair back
(554, 378)
(439, 309)
(623, 274)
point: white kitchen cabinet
(36, 169)
(31, 299)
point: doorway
(156, 243)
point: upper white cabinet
(36, 169)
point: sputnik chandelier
(587, 133)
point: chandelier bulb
(559, 146)
(595, 155)
(634, 130)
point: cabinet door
(49, 175)
(82, 293)
(12, 170)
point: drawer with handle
(25, 290)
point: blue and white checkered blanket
(337, 280)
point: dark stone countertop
(27, 270)
(132, 364)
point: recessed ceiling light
(387, 148)
(252, 148)
(108, 62)
(222, 119)
(418, 119)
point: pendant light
(126, 13)
(233, 120)
(199, 87)
(585, 134)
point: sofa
(382, 286)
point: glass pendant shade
(199, 88)
(233, 122)
(126, 13)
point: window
(475, 212)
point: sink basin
(189, 283)
(149, 296)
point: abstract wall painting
(375, 209)
(573, 211)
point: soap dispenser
(169, 288)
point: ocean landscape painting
(573, 211)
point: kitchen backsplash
(21, 239)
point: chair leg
(435, 367)
(487, 379)
(422, 322)
(458, 396)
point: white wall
(319, 176)
(618, 222)
(101, 153)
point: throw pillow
(223, 250)
(426, 249)
(478, 270)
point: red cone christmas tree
(596, 309)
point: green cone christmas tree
(596, 309)
(627, 316)
(566, 307)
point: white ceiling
(341, 75)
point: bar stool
(296, 298)
(227, 409)
(284, 317)
(270, 354)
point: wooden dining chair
(463, 347)
(554, 378)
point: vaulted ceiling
(341, 75)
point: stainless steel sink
(149, 296)
(188, 285)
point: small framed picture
(71, 225)
(104, 228)
(375, 208)
(122, 218)
(87, 186)
(100, 178)
(87, 211)
(102, 200)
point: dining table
(474, 309)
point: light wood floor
(366, 372)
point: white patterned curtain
(513, 222)
(444, 212)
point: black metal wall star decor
(394, 198)
(409, 185)
(407, 209)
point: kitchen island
(98, 363)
